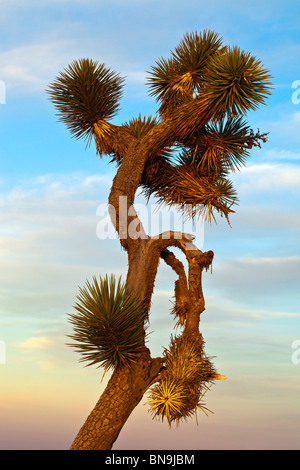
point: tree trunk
(122, 394)
(127, 385)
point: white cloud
(268, 177)
(35, 343)
(28, 68)
(49, 246)
(258, 280)
(49, 364)
(275, 154)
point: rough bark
(122, 394)
(127, 385)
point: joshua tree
(182, 157)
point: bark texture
(127, 385)
(123, 392)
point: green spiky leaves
(199, 179)
(167, 400)
(184, 71)
(84, 94)
(192, 190)
(203, 91)
(140, 126)
(187, 377)
(175, 81)
(236, 82)
(223, 146)
(108, 323)
(194, 52)
(228, 79)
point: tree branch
(189, 299)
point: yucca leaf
(236, 82)
(186, 187)
(161, 77)
(185, 360)
(194, 52)
(188, 375)
(86, 94)
(184, 70)
(167, 400)
(108, 323)
(140, 126)
(176, 80)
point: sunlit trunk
(127, 386)
(122, 394)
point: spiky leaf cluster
(199, 178)
(187, 377)
(176, 80)
(84, 94)
(231, 81)
(108, 324)
(236, 82)
(203, 90)
(194, 191)
(221, 146)
(140, 126)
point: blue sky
(51, 187)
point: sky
(53, 193)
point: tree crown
(203, 90)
